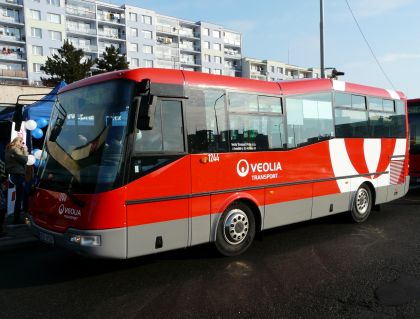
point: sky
(288, 31)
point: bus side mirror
(145, 103)
(146, 114)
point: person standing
(16, 158)
(3, 197)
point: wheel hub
(235, 227)
(362, 201)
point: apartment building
(31, 30)
(268, 70)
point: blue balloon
(36, 163)
(37, 133)
(41, 122)
(34, 150)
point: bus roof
(287, 87)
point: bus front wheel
(235, 230)
(362, 204)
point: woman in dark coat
(16, 158)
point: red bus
(413, 107)
(142, 161)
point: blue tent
(39, 109)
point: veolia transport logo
(62, 197)
(259, 170)
(242, 168)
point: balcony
(232, 54)
(80, 12)
(110, 19)
(102, 47)
(189, 48)
(229, 72)
(81, 30)
(12, 3)
(188, 34)
(168, 44)
(167, 29)
(12, 38)
(230, 42)
(15, 56)
(11, 20)
(110, 35)
(13, 74)
(86, 47)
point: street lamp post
(321, 37)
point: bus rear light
(84, 240)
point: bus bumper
(106, 243)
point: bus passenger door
(158, 193)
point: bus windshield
(84, 144)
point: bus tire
(235, 230)
(362, 204)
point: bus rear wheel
(235, 230)
(362, 204)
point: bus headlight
(85, 240)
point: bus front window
(86, 138)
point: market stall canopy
(39, 109)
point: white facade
(31, 30)
(275, 71)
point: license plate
(46, 238)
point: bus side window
(167, 132)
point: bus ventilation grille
(397, 168)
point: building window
(207, 58)
(218, 59)
(37, 67)
(53, 2)
(54, 51)
(134, 32)
(54, 35)
(217, 71)
(36, 33)
(134, 47)
(206, 31)
(36, 15)
(133, 16)
(147, 49)
(148, 63)
(37, 50)
(147, 34)
(206, 70)
(146, 19)
(206, 45)
(216, 34)
(217, 46)
(134, 62)
(54, 18)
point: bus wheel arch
(237, 227)
(362, 203)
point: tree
(67, 65)
(112, 60)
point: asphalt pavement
(325, 268)
(18, 236)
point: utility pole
(321, 37)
